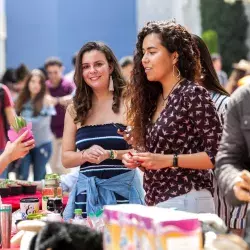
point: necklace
(166, 98)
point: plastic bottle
(97, 220)
(78, 219)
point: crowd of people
(165, 114)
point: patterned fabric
(105, 136)
(222, 208)
(188, 124)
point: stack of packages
(150, 228)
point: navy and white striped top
(104, 135)
(220, 101)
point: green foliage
(211, 39)
(230, 23)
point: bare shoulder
(123, 109)
(71, 111)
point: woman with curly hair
(173, 119)
(91, 127)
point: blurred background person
(240, 70)
(217, 62)
(9, 79)
(127, 65)
(37, 107)
(61, 91)
(234, 217)
(22, 73)
(70, 76)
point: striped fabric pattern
(234, 217)
(104, 135)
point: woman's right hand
(94, 154)
(128, 161)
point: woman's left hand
(152, 161)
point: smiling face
(35, 85)
(157, 61)
(96, 70)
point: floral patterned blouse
(188, 124)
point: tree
(210, 37)
(230, 23)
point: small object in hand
(121, 127)
(19, 128)
(138, 162)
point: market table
(10, 248)
(15, 200)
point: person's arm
(15, 150)
(65, 100)
(232, 149)
(9, 106)
(10, 115)
(68, 181)
(70, 158)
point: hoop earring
(111, 84)
(178, 72)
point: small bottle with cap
(78, 219)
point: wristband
(113, 154)
(175, 161)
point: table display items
(51, 189)
(55, 205)
(5, 224)
(29, 206)
(29, 188)
(141, 227)
(15, 188)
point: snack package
(137, 227)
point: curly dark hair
(82, 101)
(141, 93)
(25, 94)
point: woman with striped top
(234, 217)
(91, 126)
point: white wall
(186, 12)
(2, 36)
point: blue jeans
(38, 157)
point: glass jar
(51, 189)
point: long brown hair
(143, 94)
(82, 100)
(210, 79)
(25, 95)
